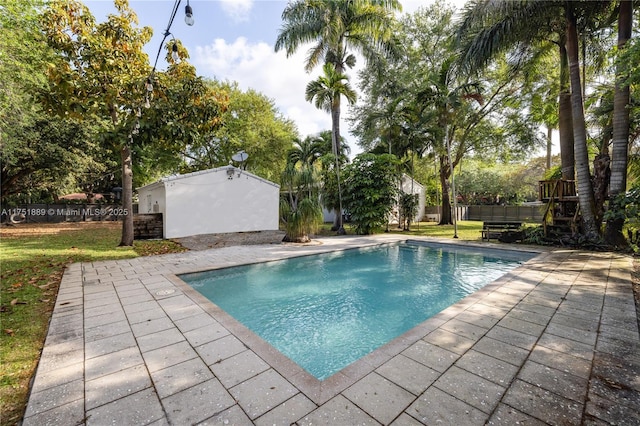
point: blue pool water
(328, 310)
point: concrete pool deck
(555, 341)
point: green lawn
(467, 230)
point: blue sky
(233, 40)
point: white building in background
(225, 199)
(408, 186)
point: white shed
(225, 199)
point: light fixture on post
(188, 15)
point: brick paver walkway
(553, 342)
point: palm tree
(492, 27)
(620, 152)
(300, 210)
(325, 93)
(489, 28)
(445, 98)
(305, 151)
(336, 29)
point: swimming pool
(326, 311)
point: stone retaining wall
(147, 226)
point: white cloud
(257, 66)
(237, 10)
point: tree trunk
(620, 143)
(565, 120)
(127, 196)
(445, 217)
(601, 175)
(549, 146)
(585, 189)
(335, 142)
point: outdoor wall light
(230, 172)
(188, 15)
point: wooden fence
(531, 214)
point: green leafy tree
(102, 74)
(423, 106)
(499, 26)
(99, 73)
(50, 156)
(408, 204)
(371, 191)
(251, 123)
(40, 157)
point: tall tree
(325, 93)
(584, 186)
(337, 30)
(420, 95)
(621, 108)
(490, 28)
(102, 73)
(99, 71)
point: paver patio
(555, 341)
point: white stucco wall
(209, 202)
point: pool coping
(128, 344)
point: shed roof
(204, 172)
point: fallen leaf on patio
(43, 286)
(9, 331)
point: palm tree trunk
(620, 143)
(445, 216)
(549, 146)
(565, 120)
(585, 189)
(335, 139)
(127, 196)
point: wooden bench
(495, 229)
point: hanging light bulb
(188, 15)
(139, 113)
(174, 52)
(148, 85)
(147, 104)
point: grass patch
(33, 258)
(467, 230)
